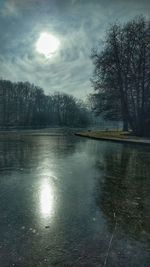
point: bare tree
(122, 70)
(24, 104)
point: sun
(47, 44)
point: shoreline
(121, 138)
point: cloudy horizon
(79, 26)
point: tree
(122, 73)
(24, 104)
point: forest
(25, 105)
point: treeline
(24, 104)
(121, 76)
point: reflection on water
(125, 190)
(58, 196)
(46, 188)
(46, 199)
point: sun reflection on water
(46, 199)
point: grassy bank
(116, 136)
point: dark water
(68, 201)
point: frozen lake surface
(71, 201)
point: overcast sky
(78, 24)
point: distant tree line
(121, 77)
(24, 104)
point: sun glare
(46, 199)
(47, 44)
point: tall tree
(122, 72)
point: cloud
(14, 7)
(69, 71)
(9, 9)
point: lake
(71, 201)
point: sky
(79, 25)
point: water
(70, 201)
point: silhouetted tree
(122, 74)
(24, 104)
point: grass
(115, 135)
(108, 134)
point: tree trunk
(125, 125)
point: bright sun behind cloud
(47, 44)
